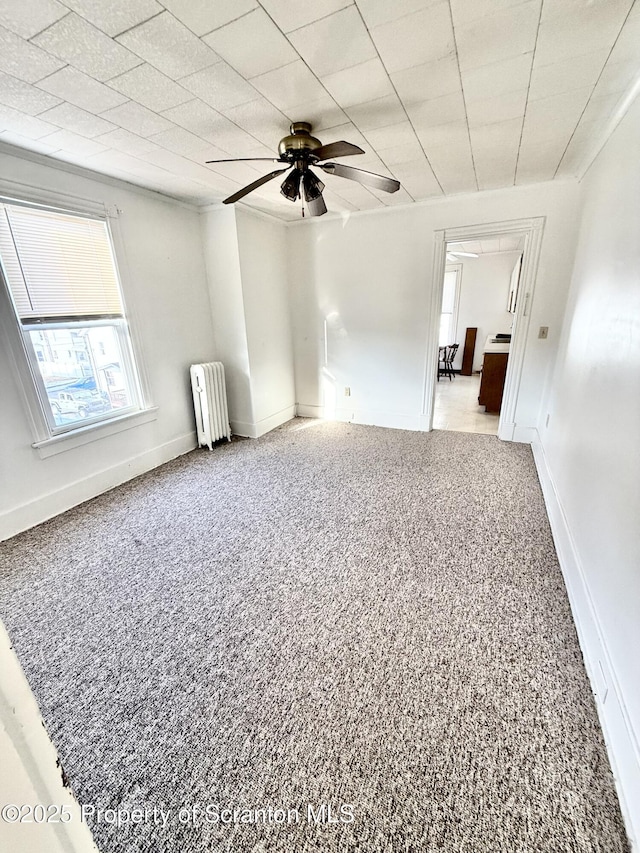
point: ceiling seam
(404, 109)
(464, 100)
(526, 102)
(617, 38)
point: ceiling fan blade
(369, 179)
(336, 149)
(248, 160)
(317, 207)
(254, 186)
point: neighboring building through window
(63, 283)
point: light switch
(543, 332)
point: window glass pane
(446, 321)
(449, 291)
(82, 368)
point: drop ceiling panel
(444, 96)
(30, 126)
(379, 12)
(338, 41)
(497, 78)
(23, 59)
(220, 86)
(359, 84)
(236, 43)
(80, 89)
(183, 142)
(501, 35)
(379, 113)
(151, 88)
(586, 29)
(126, 142)
(137, 119)
(291, 16)
(77, 120)
(425, 82)
(260, 118)
(168, 45)
(115, 16)
(573, 73)
(23, 96)
(492, 110)
(28, 17)
(87, 48)
(290, 85)
(73, 143)
(416, 39)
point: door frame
(532, 229)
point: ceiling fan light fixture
(312, 186)
(290, 187)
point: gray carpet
(333, 614)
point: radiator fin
(210, 402)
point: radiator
(210, 402)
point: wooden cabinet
(494, 370)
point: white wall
(222, 256)
(369, 276)
(165, 291)
(247, 271)
(484, 290)
(591, 447)
(263, 263)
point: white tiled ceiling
(447, 96)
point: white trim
(532, 229)
(38, 762)
(622, 745)
(46, 506)
(259, 428)
(85, 435)
(524, 435)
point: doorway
(480, 319)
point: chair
(446, 356)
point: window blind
(58, 266)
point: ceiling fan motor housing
(299, 144)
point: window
(63, 284)
(449, 316)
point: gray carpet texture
(334, 638)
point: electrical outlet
(347, 391)
(543, 332)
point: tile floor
(457, 409)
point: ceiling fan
(299, 150)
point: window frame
(22, 357)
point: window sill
(85, 435)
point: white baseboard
(46, 506)
(366, 417)
(305, 411)
(255, 430)
(620, 738)
(525, 435)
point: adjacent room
(320, 381)
(479, 299)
